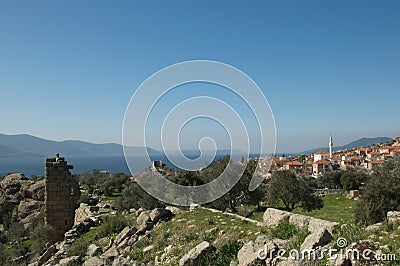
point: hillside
(363, 142)
(24, 145)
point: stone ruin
(61, 196)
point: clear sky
(69, 68)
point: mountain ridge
(362, 142)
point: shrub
(380, 194)
(223, 256)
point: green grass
(337, 208)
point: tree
(134, 196)
(291, 191)
(380, 194)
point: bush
(380, 194)
(223, 256)
(134, 196)
(112, 224)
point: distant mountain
(363, 142)
(24, 145)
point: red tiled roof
(294, 163)
(322, 162)
(322, 152)
(376, 162)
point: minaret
(330, 146)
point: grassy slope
(337, 208)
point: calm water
(114, 164)
(35, 166)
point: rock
(93, 250)
(27, 221)
(93, 261)
(160, 213)
(245, 212)
(121, 261)
(124, 234)
(143, 217)
(11, 184)
(148, 248)
(112, 252)
(393, 217)
(272, 217)
(316, 224)
(139, 211)
(212, 230)
(373, 227)
(47, 254)
(145, 227)
(339, 261)
(319, 238)
(193, 206)
(255, 253)
(69, 260)
(173, 210)
(27, 207)
(194, 255)
(301, 221)
(248, 256)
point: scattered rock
(93, 261)
(317, 239)
(272, 217)
(245, 212)
(160, 213)
(316, 224)
(194, 255)
(255, 253)
(69, 260)
(373, 227)
(193, 206)
(301, 221)
(93, 250)
(393, 217)
(124, 234)
(147, 249)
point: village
(317, 164)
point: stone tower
(330, 146)
(61, 196)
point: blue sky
(69, 68)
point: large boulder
(393, 217)
(160, 214)
(316, 224)
(257, 252)
(12, 183)
(125, 233)
(193, 257)
(272, 217)
(27, 207)
(34, 190)
(317, 239)
(301, 221)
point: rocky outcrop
(258, 252)
(272, 217)
(319, 238)
(11, 184)
(393, 217)
(193, 257)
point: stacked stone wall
(61, 196)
